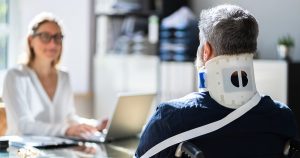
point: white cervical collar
(227, 89)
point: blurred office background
(113, 46)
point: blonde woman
(37, 94)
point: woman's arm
(73, 118)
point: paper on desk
(178, 19)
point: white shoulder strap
(196, 132)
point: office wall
(14, 35)
(276, 18)
(76, 20)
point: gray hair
(230, 30)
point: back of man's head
(230, 30)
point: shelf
(126, 14)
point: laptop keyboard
(96, 137)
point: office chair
(193, 151)
(189, 149)
(294, 149)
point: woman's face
(46, 42)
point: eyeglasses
(46, 37)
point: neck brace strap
(229, 79)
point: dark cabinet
(294, 90)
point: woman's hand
(81, 130)
(102, 125)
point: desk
(118, 149)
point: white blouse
(31, 111)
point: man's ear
(207, 52)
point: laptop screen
(130, 115)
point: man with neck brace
(228, 41)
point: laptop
(129, 117)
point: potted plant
(283, 46)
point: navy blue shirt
(261, 132)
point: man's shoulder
(274, 108)
(268, 102)
(280, 113)
(192, 100)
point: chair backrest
(3, 123)
(188, 149)
(193, 151)
(294, 149)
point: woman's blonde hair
(34, 25)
